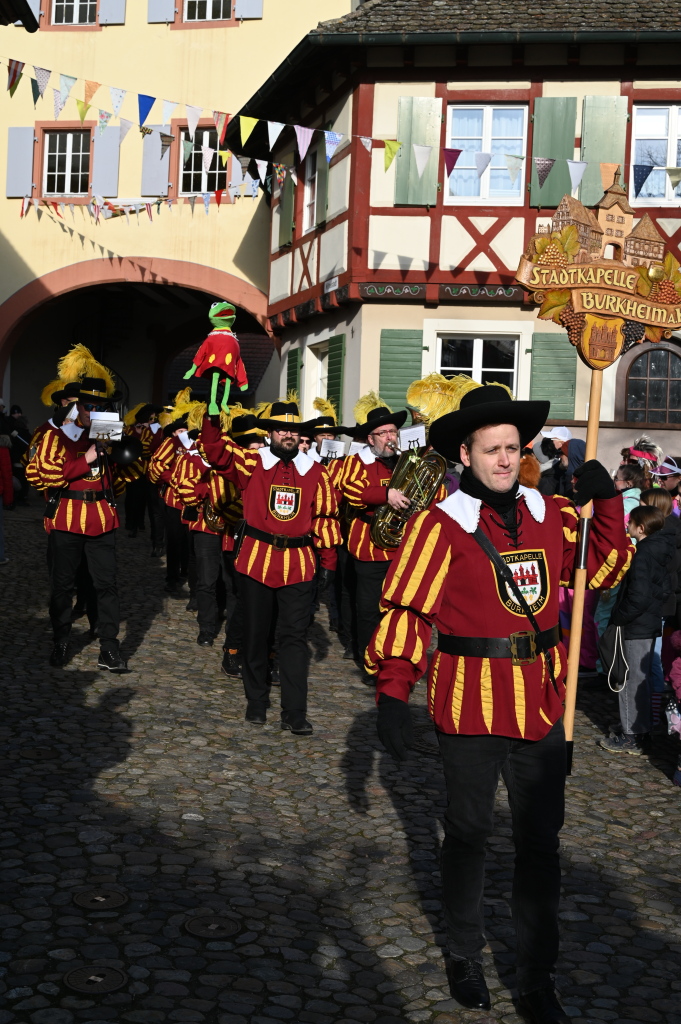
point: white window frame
(209, 5)
(521, 331)
(310, 192)
(484, 198)
(76, 5)
(69, 153)
(204, 174)
(673, 135)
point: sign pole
(580, 571)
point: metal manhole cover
(39, 753)
(212, 927)
(95, 980)
(100, 899)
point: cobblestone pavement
(318, 854)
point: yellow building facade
(135, 287)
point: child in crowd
(643, 595)
(630, 481)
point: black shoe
(231, 664)
(205, 639)
(542, 1007)
(348, 654)
(296, 722)
(192, 605)
(256, 714)
(175, 591)
(467, 984)
(110, 658)
(60, 655)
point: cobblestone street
(316, 859)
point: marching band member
(485, 566)
(290, 510)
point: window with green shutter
(419, 123)
(293, 365)
(286, 210)
(553, 135)
(604, 130)
(400, 365)
(322, 196)
(554, 373)
(335, 366)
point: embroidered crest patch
(531, 577)
(284, 502)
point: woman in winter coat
(6, 489)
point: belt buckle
(523, 647)
(89, 496)
(280, 541)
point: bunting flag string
(221, 121)
(145, 104)
(35, 90)
(333, 141)
(543, 166)
(262, 168)
(58, 103)
(274, 130)
(83, 108)
(117, 97)
(42, 77)
(66, 84)
(193, 115)
(168, 109)
(421, 157)
(166, 141)
(451, 156)
(207, 153)
(224, 156)
(366, 142)
(304, 138)
(103, 120)
(246, 126)
(125, 128)
(576, 170)
(641, 174)
(513, 165)
(14, 74)
(482, 161)
(187, 150)
(674, 175)
(90, 90)
(392, 147)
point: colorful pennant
(66, 84)
(206, 200)
(207, 153)
(117, 97)
(35, 92)
(513, 165)
(246, 126)
(90, 90)
(674, 175)
(103, 120)
(392, 147)
(83, 108)
(58, 103)
(42, 77)
(168, 109)
(145, 103)
(543, 166)
(187, 150)
(262, 168)
(641, 174)
(221, 121)
(166, 141)
(366, 142)
(333, 141)
(15, 69)
(451, 156)
(304, 138)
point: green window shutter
(401, 360)
(286, 207)
(554, 373)
(553, 135)
(604, 129)
(322, 183)
(334, 380)
(419, 123)
(293, 364)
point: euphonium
(418, 474)
(213, 517)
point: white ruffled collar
(465, 510)
(367, 455)
(302, 462)
(72, 431)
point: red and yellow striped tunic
(191, 481)
(292, 499)
(442, 577)
(161, 466)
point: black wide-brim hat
(71, 390)
(380, 417)
(142, 415)
(93, 389)
(486, 406)
(180, 423)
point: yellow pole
(580, 571)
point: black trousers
(208, 555)
(177, 545)
(534, 773)
(344, 590)
(234, 624)
(135, 504)
(369, 577)
(66, 552)
(155, 506)
(292, 605)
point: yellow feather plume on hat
(325, 407)
(366, 403)
(291, 396)
(165, 417)
(79, 362)
(436, 395)
(182, 397)
(49, 390)
(196, 414)
(129, 418)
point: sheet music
(413, 437)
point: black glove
(394, 726)
(593, 481)
(325, 579)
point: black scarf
(284, 454)
(500, 502)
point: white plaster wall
(382, 181)
(455, 243)
(508, 244)
(341, 120)
(280, 278)
(386, 97)
(399, 243)
(339, 188)
(270, 387)
(333, 252)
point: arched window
(654, 387)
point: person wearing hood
(567, 454)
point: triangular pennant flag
(187, 150)
(576, 169)
(366, 142)
(35, 90)
(83, 108)
(481, 162)
(421, 157)
(246, 126)
(125, 128)
(221, 121)
(218, 197)
(36, 203)
(224, 156)
(14, 87)
(149, 214)
(66, 84)
(168, 108)
(234, 192)
(72, 208)
(193, 115)
(641, 174)
(333, 141)
(513, 165)
(262, 168)
(117, 97)
(304, 137)
(42, 76)
(237, 177)
(158, 207)
(166, 140)
(391, 149)
(294, 176)
(58, 103)
(145, 130)
(14, 71)
(254, 185)
(674, 175)
(90, 89)
(280, 171)
(208, 153)
(145, 103)
(274, 130)
(451, 156)
(103, 120)
(25, 205)
(543, 166)
(608, 174)
(228, 198)
(62, 208)
(192, 201)
(206, 201)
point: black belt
(521, 647)
(365, 517)
(88, 496)
(278, 540)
